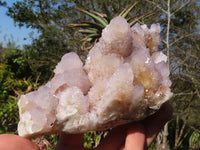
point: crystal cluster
(125, 78)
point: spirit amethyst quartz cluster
(125, 78)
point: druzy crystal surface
(125, 78)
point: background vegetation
(24, 70)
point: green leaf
(87, 24)
(87, 31)
(125, 12)
(73, 25)
(87, 39)
(132, 17)
(141, 17)
(194, 139)
(91, 37)
(103, 16)
(94, 25)
(94, 17)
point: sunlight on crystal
(125, 78)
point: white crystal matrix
(125, 78)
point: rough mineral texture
(125, 78)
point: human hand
(136, 135)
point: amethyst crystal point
(125, 78)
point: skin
(137, 135)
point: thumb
(14, 142)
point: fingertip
(135, 137)
(14, 142)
